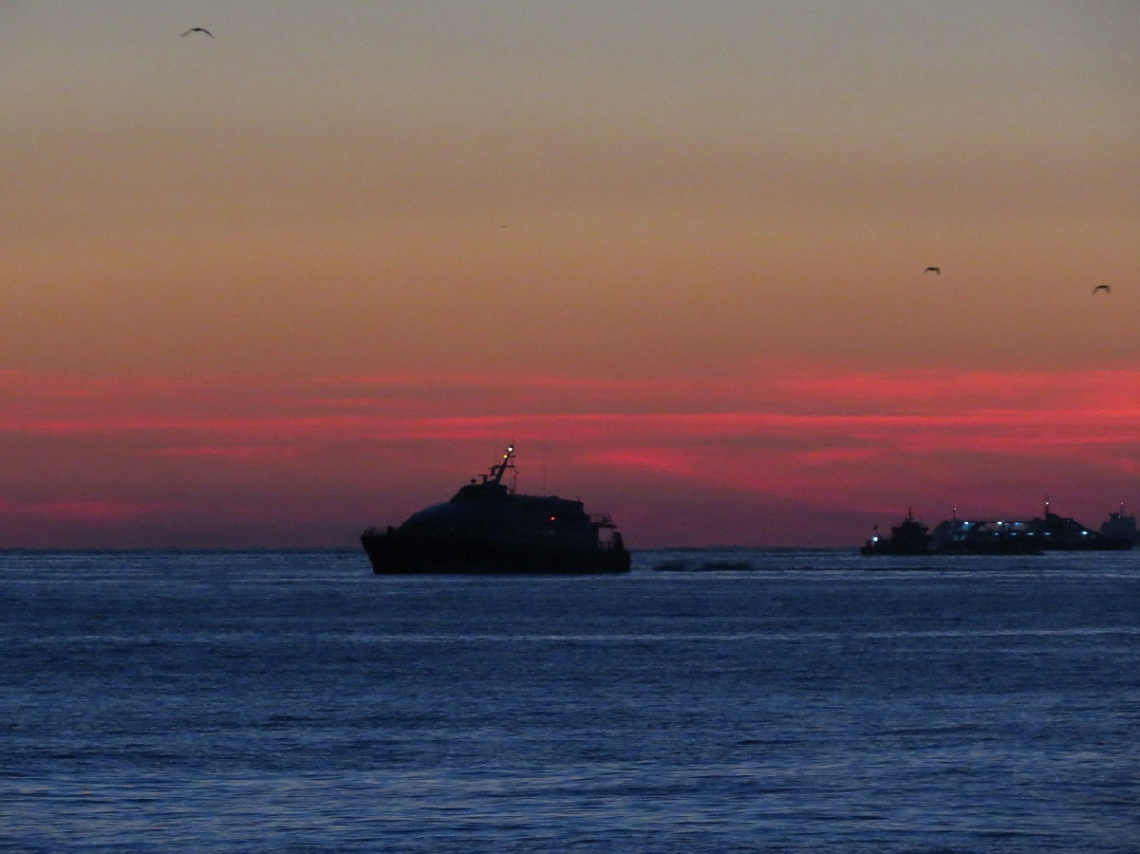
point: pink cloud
(846, 443)
(227, 453)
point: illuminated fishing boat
(1063, 533)
(954, 536)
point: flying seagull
(935, 270)
(197, 30)
(1104, 288)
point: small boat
(487, 527)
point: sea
(709, 701)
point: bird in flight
(935, 270)
(1104, 288)
(197, 30)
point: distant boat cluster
(1049, 532)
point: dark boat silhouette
(1063, 533)
(956, 536)
(487, 527)
(910, 537)
(1120, 526)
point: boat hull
(1100, 544)
(391, 554)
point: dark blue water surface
(745, 701)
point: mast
(497, 470)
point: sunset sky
(271, 287)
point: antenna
(497, 471)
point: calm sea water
(745, 701)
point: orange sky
(266, 288)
